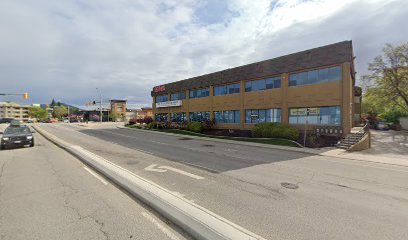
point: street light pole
(100, 105)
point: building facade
(119, 107)
(14, 110)
(315, 86)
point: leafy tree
(59, 112)
(115, 116)
(38, 113)
(388, 78)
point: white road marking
(96, 175)
(182, 172)
(162, 143)
(163, 169)
(153, 169)
(160, 227)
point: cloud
(65, 49)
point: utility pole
(69, 119)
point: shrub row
(195, 127)
(275, 130)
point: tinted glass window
(17, 130)
(199, 93)
(262, 115)
(315, 76)
(162, 98)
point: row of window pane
(316, 76)
(161, 117)
(226, 89)
(162, 98)
(199, 93)
(199, 116)
(323, 116)
(227, 116)
(178, 96)
(262, 115)
(257, 85)
(178, 117)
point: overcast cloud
(65, 49)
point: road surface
(45, 193)
(274, 193)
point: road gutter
(199, 222)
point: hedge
(275, 130)
(195, 127)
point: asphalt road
(45, 193)
(332, 198)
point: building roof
(12, 104)
(326, 55)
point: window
(262, 115)
(199, 93)
(263, 84)
(316, 76)
(227, 117)
(226, 89)
(178, 117)
(317, 115)
(199, 116)
(178, 96)
(162, 98)
(161, 117)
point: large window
(263, 84)
(199, 116)
(178, 117)
(161, 117)
(227, 117)
(226, 89)
(199, 93)
(316, 76)
(162, 98)
(262, 115)
(178, 96)
(317, 115)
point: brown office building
(320, 81)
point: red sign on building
(159, 88)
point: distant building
(139, 113)
(14, 110)
(119, 107)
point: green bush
(153, 125)
(274, 130)
(195, 127)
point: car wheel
(32, 144)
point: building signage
(159, 89)
(303, 111)
(176, 103)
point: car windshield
(17, 130)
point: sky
(66, 49)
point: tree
(388, 77)
(60, 112)
(115, 116)
(38, 113)
(52, 103)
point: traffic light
(25, 95)
(94, 102)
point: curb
(197, 221)
(291, 149)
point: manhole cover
(289, 185)
(185, 138)
(208, 145)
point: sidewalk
(379, 153)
